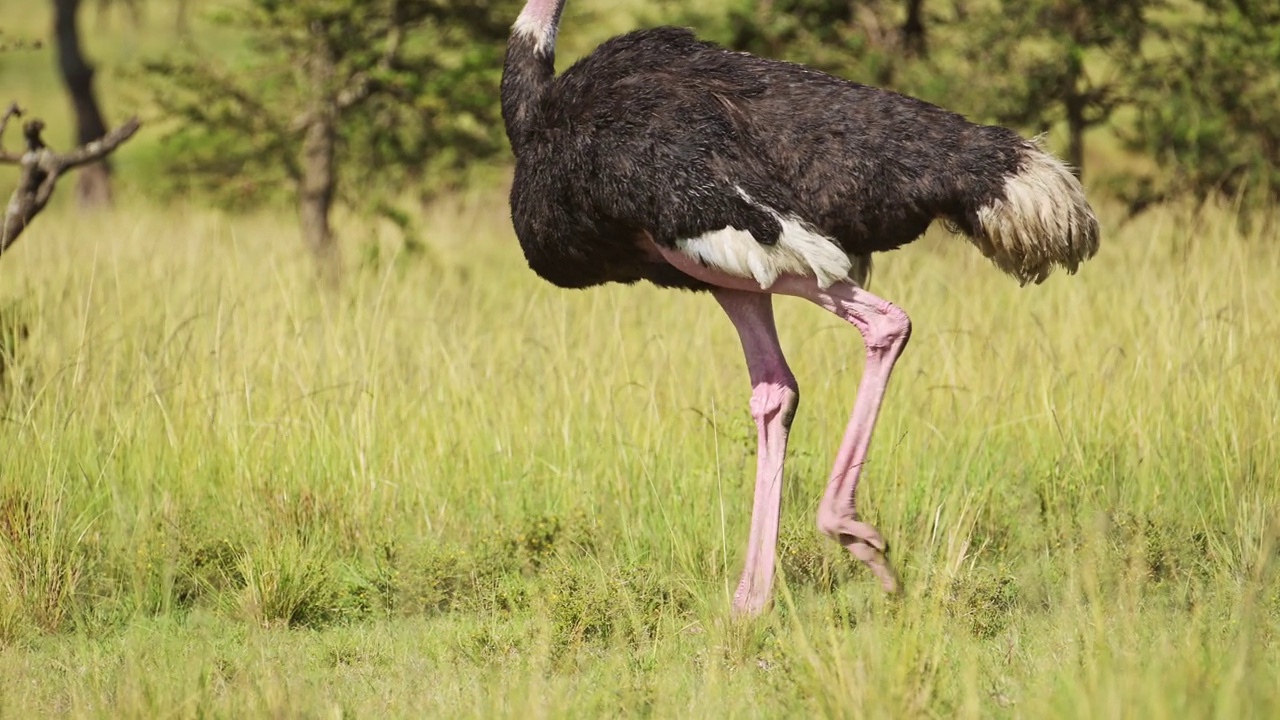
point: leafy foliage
(864, 40)
(414, 82)
(1198, 75)
(1042, 62)
(1209, 115)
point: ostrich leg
(885, 330)
(774, 397)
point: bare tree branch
(12, 111)
(100, 148)
(361, 85)
(43, 193)
(356, 91)
(41, 167)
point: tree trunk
(315, 196)
(1075, 134)
(319, 171)
(182, 21)
(914, 40)
(1074, 103)
(93, 182)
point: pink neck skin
(538, 22)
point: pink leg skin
(885, 330)
(774, 397)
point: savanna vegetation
(439, 487)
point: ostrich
(664, 158)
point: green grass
(454, 490)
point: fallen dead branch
(40, 167)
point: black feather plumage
(659, 132)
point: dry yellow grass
(455, 490)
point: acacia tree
(865, 40)
(1035, 63)
(1208, 110)
(340, 99)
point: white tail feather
(1043, 221)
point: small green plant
(493, 575)
(1167, 548)
(288, 583)
(591, 606)
(536, 541)
(43, 562)
(207, 567)
(809, 559)
(985, 599)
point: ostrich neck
(529, 69)
(538, 23)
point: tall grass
(455, 490)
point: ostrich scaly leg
(774, 397)
(885, 330)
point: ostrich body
(664, 158)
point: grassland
(456, 491)
(452, 490)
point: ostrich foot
(864, 542)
